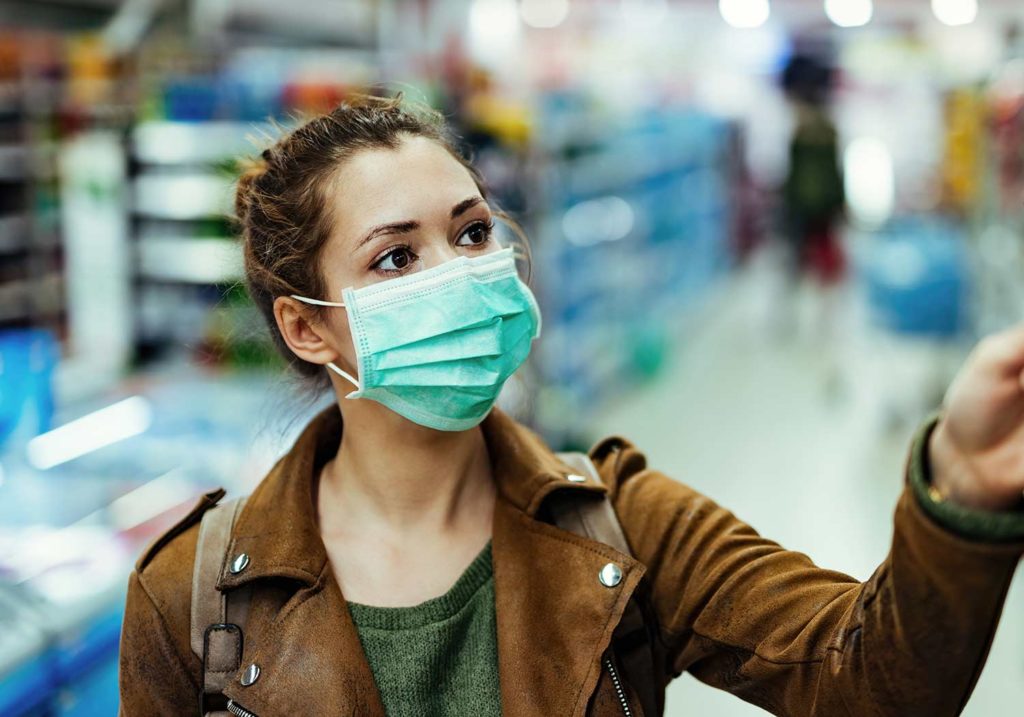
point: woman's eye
(395, 260)
(479, 233)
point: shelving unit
(182, 192)
(632, 227)
(31, 251)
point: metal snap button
(572, 477)
(239, 563)
(610, 575)
(251, 674)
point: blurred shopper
(813, 203)
(406, 555)
(813, 194)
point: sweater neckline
(430, 611)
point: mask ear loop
(330, 364)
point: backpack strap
(596, 519)
(218, 617)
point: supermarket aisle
(754, 427)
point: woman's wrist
(954, 480)
(977, 524)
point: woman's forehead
(417, 181)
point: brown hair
(281, 199)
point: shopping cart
(914, 276)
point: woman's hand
(977, 449)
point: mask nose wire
(330, 364)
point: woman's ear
(305, 336)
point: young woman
(402, 561)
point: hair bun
(251, 170)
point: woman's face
(395, 212)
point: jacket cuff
(970, 523)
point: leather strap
(596, 520)
(208, 604)
(218, 617)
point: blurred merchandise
(27, 361)
(31, 255)
(632, 227)
(96, 244)
(962, 168)
(91, 495)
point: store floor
(797, 440)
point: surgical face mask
(436, 346)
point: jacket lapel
(311, 661)
(554, 617)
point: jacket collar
(277, 527)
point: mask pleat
(439, 315)
(471, 343)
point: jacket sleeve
(153, 674)
(741, 613)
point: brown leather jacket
(734, 609)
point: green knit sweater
(439, 657)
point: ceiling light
(745, 13)
(849, 13)
(955, 12)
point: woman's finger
(1003, 352)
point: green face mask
(436, 346)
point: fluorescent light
(869, 181)
(494, 31)
(849, 13)
(90, 432)
(745, 13)
(593, 221)
(955, 12)
(544, 13)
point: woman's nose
(438, 253)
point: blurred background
(765, 234)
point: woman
(406, 565)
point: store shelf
(200, 260)
(31, 241)
(182, 196)
(14, 231)
(14, 161)
(632, 229)
(174, 143)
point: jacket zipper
(237, 709)
(619, 691)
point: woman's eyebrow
(412, 225)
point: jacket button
(239, 563)
(251, 674)
(572, 477)
(610, 575)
